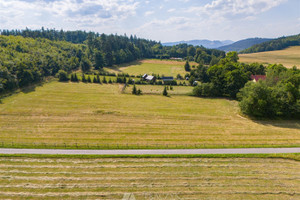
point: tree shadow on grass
(291, 123)
(117, 67)
(281, 123)
(31, 88)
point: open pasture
(150, 66)
(78, 115)
(149, 178)
(288, 57)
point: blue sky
(161, 20)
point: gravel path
(150, 151)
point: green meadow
(288, 57)
(79, 115)
(150, 66)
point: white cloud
(78, 11)
(171, 10)
(149, 13)
(231, 8)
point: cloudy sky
(161, 20)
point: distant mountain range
(206, 43)
(225, 45)
(243, 44)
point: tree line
(278, 95)
(107, 50)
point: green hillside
(24, 61)
(243, 44)
(277, 44)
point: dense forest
(116, 49)
(276, 44)
(24, 61)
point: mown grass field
(149, 178)
(149, 66)
(288, 57)
(78, 115)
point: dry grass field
(149, 178)
(78, 115)
(149, 66)
(288, 57)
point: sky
(160, 20)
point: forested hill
(276, 44)
(24, 61)
(107, 50)
(243, 44)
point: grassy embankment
(288, 57)
(149, 178)
(78, 115)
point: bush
(256, 99)
(62, 76)
(205, 90)
(139, 92)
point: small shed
(144, 76)
(167, 78)
(150, 78)
(147, 77)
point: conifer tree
(94, 79)
(75, 78)
(134, 90)
(98, 79)
(89, 79)
(72, 78)
(109, 81)
(187, 66)
(83, 78)
(104, 80)
(165, 93)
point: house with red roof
(256, 78)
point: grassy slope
(288, 57)
(149, 66)
(91, 114)
(149, 178)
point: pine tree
(72, 78)
(98, 79)
(134, 90)
(110, 82)
(94, 79)
(187, 66)
(83, 78)
(75, 78)
(165, 93)
(104, 80)
(89, 79)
